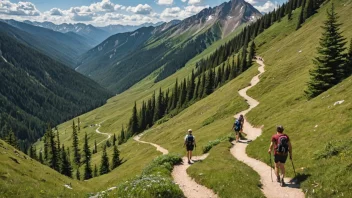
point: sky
(106, 12)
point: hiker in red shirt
(282, 147)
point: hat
(189, 130)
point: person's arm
(290, 149)
(271, 147)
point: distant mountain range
(94, 34)
(36, 89)
(124, 59)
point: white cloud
(20, 8)
(140, 9)
(165, 2)
(251, 2)
(56, 12)
(178, 13)
(194, 2)
(183, 1)
(267, 7)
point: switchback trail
(188, 186)
(269, 188)
(107, 134)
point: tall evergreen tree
(191, 87)
(300, 19)
(88, 173)
(114, 140)
(95, 150)
(308, 10)
(122, 136)
(78, 174)
(251, 53)
(104, 167)
(41, 160)
(95, 171)
(79, 125)
(115, 158)
(75, 145)
(32, 152)
(349, 61)
(66, 168)
(53, 152)
(133, 126)
(159, 109)
(11, 139)
(330, 64)
(46, 147)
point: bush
(213, 143)
(155, 180)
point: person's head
(189, 131)
(280, 129)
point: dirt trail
(269, 188)
(107, 134)
(189, 187)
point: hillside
(65, 48)
(322, 157)
(163, 49)
(36, 90)
(21, 176)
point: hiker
(190, 143)
(282, 147)
(237, 127)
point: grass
(311, 124)
(22, 176)
(227, 176)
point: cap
(189, 130)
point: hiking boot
(189, 162)
(282, 183)
(278, 179)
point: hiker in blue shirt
(190, 143)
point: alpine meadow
(176, 99)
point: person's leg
(277, 166)
(190, 155)
(237, 136)
(282, 167)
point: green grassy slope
(311, 124)
(22, 176)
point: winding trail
(107, 134)
(269, 188)
(189, 187)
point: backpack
(237, 125)
(190, 140)
(282, 144)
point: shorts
(237, 132)
(280, 158)
(190, 147)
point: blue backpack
(237, 125)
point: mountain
(36, 90)
(165, 48)
(115, 29)
(65, 48)
(94, 35)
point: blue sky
(104, 12)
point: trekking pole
(294, 170)
(271, 169)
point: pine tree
(32, 152)
(114, 140)
(183, 94)
(201, 86)
(122, 136)
(53, 152)
(251, 54)
(349, 61)
(79, 125)
(244, 64)
(41, 160)
(95, 174)
(11, 139)
(78, 174)
(115, 158)
(87, 157)
(308, 10)
(75, 145)
(191, 87)
(104, 167)
(330, 64)
(66, 168)
(95, 147)
(300, 19)
(289, 10)
(175, 96)
(46, 147)
(133, 125)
